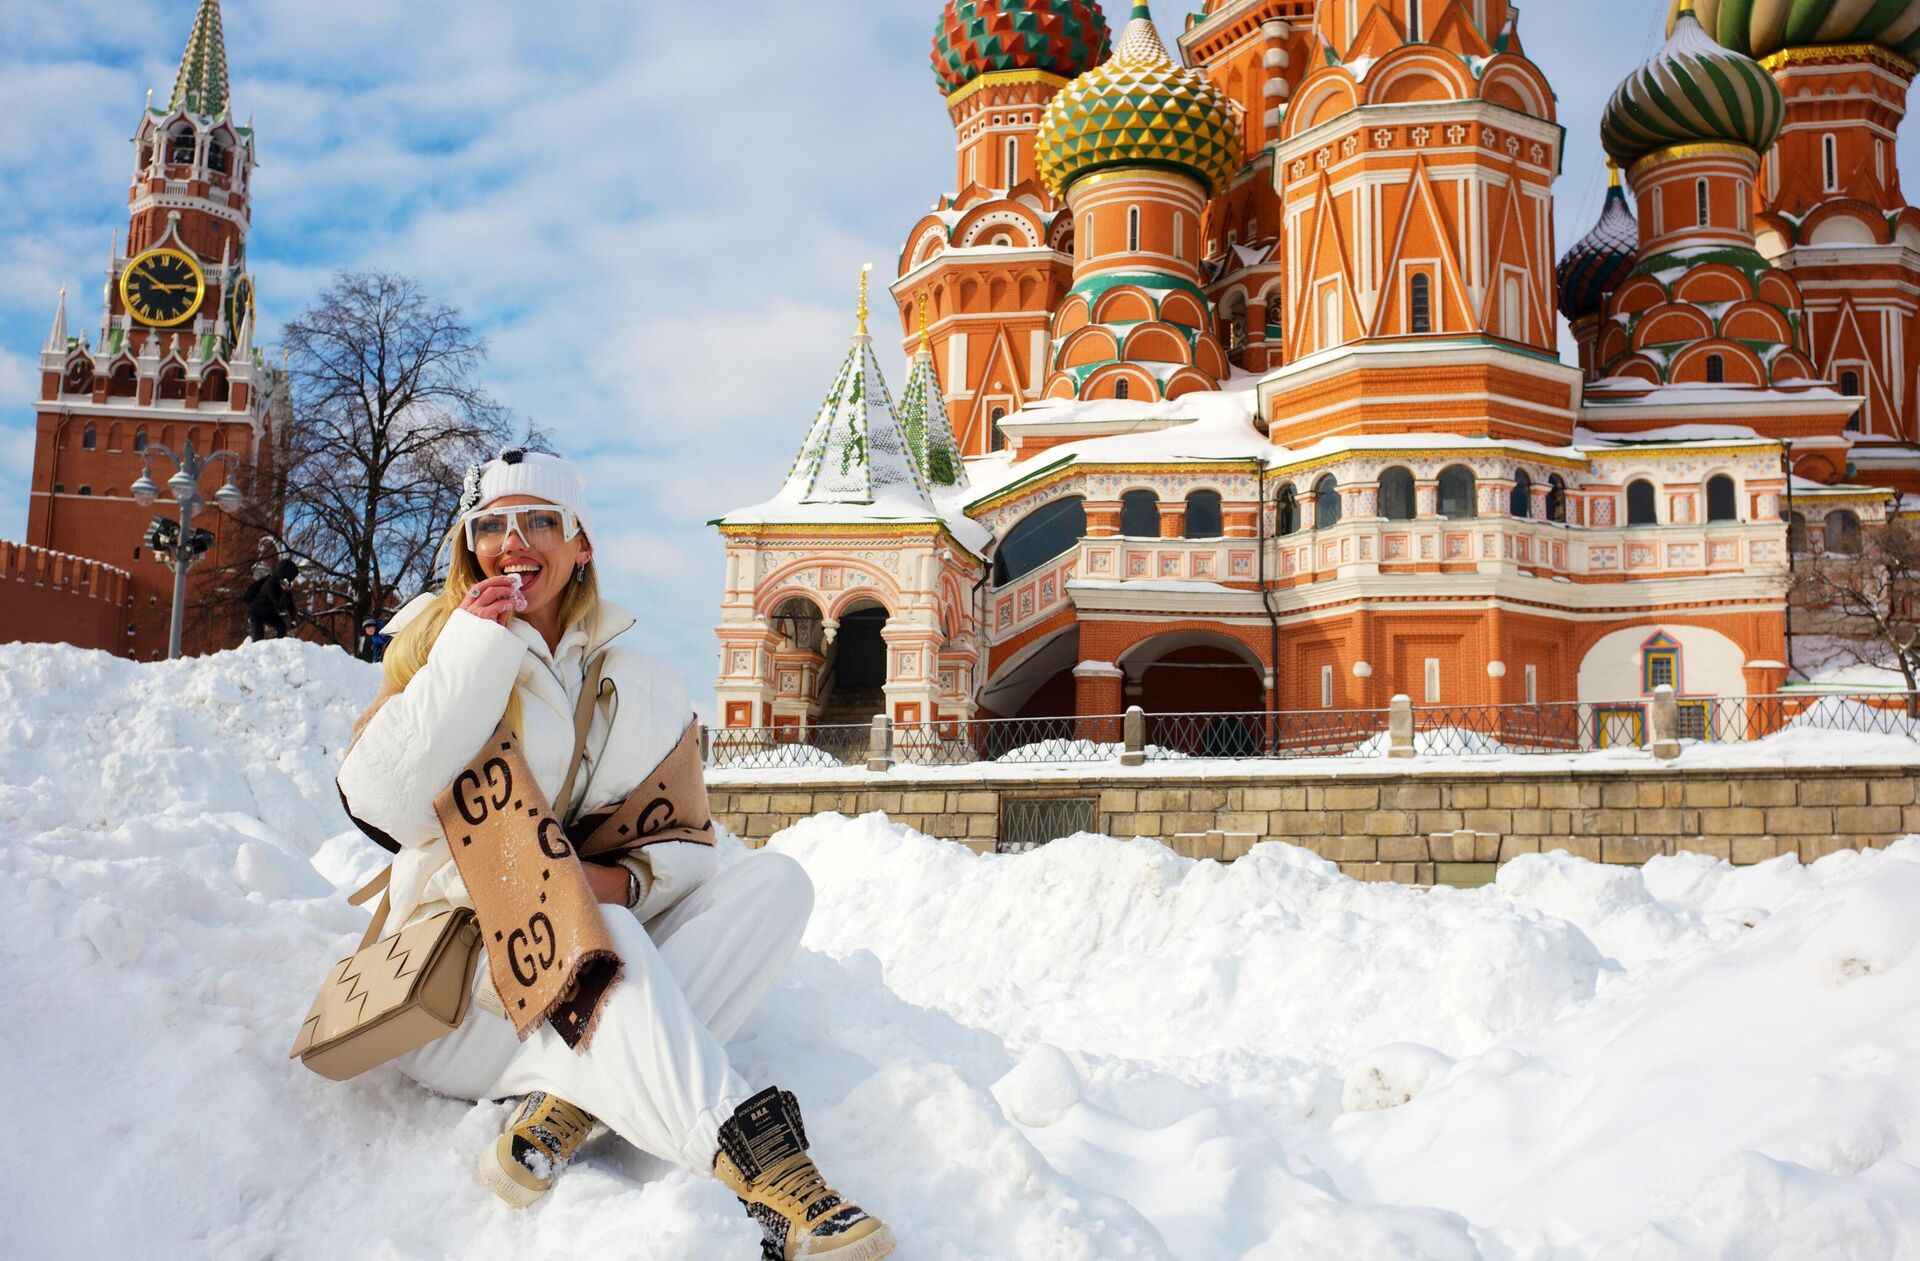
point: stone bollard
(1663, 723)
(1133, 749)
(1400, 726)
(880, 744)
(706, 745)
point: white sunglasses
(540, 526)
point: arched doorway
(1176, 676)
(853, 682)
(1037, 682)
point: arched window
(1512, 315)
(1414, 33)
(1286, 515)
(1722, 503)
(1045, 533)
(213, 387)
(123, 383)
(1557, 498)
(1122, 388)
(180, 146)
(217, 157)
(1641, 508)
(1830, 162)
(173, 382)
(1843, 533)
(999, 435)
(1326, 502)
(1396, 494)
(1203, 515)
(89, 440)
(1179, 235)
(1700, 201)
(1797, 533)
(1013, 162)
(1332, 329)
(1716, 370)
(1456, 492)
(86, 490)
(140, 440)
(79, 378)
(1850, 386)
(1140, 514)
(1420, 303)
(1520, 503)
(1133, 229)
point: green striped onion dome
(1693, 91)
(976, 37)
(1138, 109)
(1600, 260)
(1760, 28)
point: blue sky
(655, 212)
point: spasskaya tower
(171, 362)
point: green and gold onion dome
(1760, 28)
(1138, 109)
(1692, 92)
(1063, 38)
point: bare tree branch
(388, 411)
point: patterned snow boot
(763, 1160)
(541, 1137)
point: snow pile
(1439, 742)
(1095, 1052)
(1069, 750)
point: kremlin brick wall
(54, 597)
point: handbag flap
(391, 974)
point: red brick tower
(172, 363)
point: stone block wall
(1419, 827)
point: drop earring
(580, 573)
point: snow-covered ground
(1094, 1052)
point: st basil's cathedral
(1233, 376)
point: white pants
(655, 1071)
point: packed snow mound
(1098, 1051)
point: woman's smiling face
(544, 571)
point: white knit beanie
(519, 472)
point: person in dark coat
(270, 602)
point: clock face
(239, 303)
(163, 288)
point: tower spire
(202, 83)
(57, 339)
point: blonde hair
(409, 649)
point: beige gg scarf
(548, 950)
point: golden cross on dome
(923, 321)
(866, 270)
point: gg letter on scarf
(548, 951)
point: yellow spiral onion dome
(1760, 28)
(1138, 109)
(1692, 91)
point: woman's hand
(609, 883)
(496, 599)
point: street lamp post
(185, 487)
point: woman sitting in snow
(632, 1037)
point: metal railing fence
(1425, 731)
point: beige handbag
(396, 994)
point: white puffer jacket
(419, 740)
